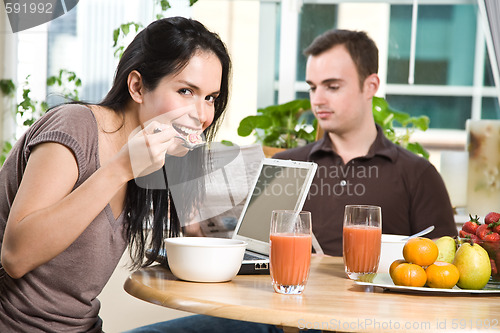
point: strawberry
(495, 227)
(492, 237)
(462, 233)
(468, 236)
(482, 230)
(491, 217)
(491, 244)
(471, 225)
(494, 270)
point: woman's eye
(333, 87)
(185, 91)
(211, 99)
(312, 89)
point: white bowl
(392, 249)
(205, 259)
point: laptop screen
(280, 185)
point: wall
(121, 311)
(240, 32)
(8, 55)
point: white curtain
(8, 65)
(490, 13)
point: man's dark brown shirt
(409, 189)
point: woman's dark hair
(362, 49)
(163, 48)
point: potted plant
(292, 124)
(386, 116)
(283, 126)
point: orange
(442, 275)
(410, 275)
(420, 251)
(395, 264)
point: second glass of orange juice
(362, 239)
(290, 250)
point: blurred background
(437, 58)
(448, 75)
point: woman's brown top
(60, 296)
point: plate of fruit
(444, 265)
(486, 233)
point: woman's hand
(46, 201)
(147, 148)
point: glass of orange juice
(290, 250)
(362, 239)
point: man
(357, 164)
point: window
(81, 41)
(86, 33)
(314, 19)
(453, 80)
(450, 61)
(452, 74)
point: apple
(447, 248)
(473, 265)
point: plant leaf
(116, 34)
(385, 116)
(227, 143)
(273, 140)
(248, 124)
(416, 148)
(125, 28)
(51, 80)
(7, 87)
(164, 5)
(422, 122)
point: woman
(69, 201)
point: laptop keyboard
(253, 256)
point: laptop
(278, 184)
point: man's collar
(381, 146)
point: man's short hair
(361, 48)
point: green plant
(68, 82)
(286, 125)
(120, 34)
(28, 110)
(6, 147)
(8, 89)
(386, 117)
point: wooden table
(329, 302)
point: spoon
(188, 144)
(420, 233)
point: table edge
(196, 306)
